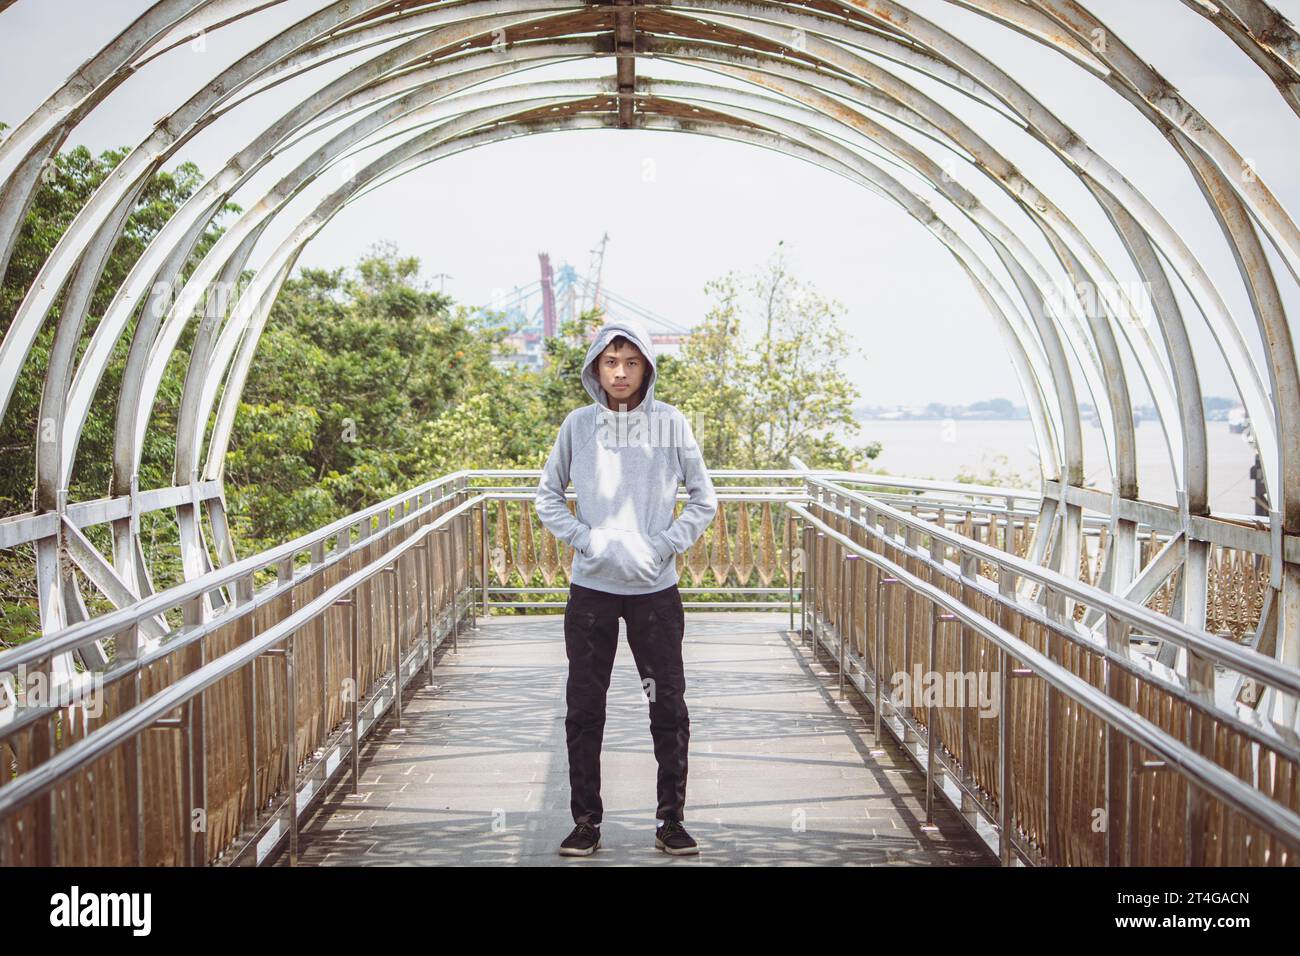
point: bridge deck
(480, 773)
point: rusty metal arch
(815, 54)
(597, 89)
(1157, 392)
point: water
(942, 449)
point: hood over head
(636, 332)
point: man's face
(622, 370)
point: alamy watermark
(37, 689)
(655, 429)
(977, 689)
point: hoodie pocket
(625, 555)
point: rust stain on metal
(606, 104)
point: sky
(680, 210)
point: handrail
(1275, 818)
(106, 625)
(41, 649)
(1199, 770)
(1277, 737)
(1244, 659)
(31, 785)
(1224, 528)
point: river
(942, 449)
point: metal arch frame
(960, 200)
(1157, 392)
(347, 138)
(1070, 404)
(1163, 404)
(47, 128)
(181, 472)
(979, 273)
(1240, 203)
(1194, 450)
(510, 97)
(192, 215)
(996, 167)
(131, 404)
(1262, 35)
(1084, 162)
(883, 29)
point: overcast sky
(482, 216)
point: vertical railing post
(817, 589)
(1130, 823)
(483, 556)
(451, 583)
(47, 807)
(391, 571)
(963, 668)
(1049, 743)
(878, 665)
(244, 595)
(196, 753)
(354, 622)
(426, 604)
(932, 735)
(183, 724)
(911, 541)
(444, 535)
(1199, 737)
(968, 566)
(291, 746)
(789, 566)
(1117, 770)
(194, 785)
(468, 534)
(322, 646)
(842, 622)
(1004, 761)
(284, 575)
(1049, 775)
(805, 536)
(134, 757)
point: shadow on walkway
(780, 770)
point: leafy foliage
(784, 394)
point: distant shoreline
(940, 418)
(1086, 420)
(1217, 409)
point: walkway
(478, 775)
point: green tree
(785, 393)
(367, 382)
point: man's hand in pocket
(629, 555)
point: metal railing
(264, 693)
(1102, 758)
(524, 565)
(264, 700)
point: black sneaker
(583, 841)
(672, 838)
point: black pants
(655, 626)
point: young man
(626, 454)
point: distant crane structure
(596, 269)
(548, 295)
(535, 312)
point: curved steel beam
(822, 58)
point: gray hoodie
(625, 468)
